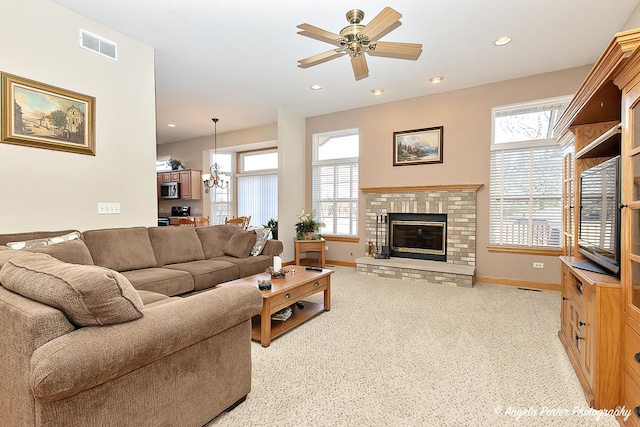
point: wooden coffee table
(286, 292)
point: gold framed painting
(39, 115)
(418, 146)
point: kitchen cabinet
(190, 182)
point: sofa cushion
(6, 254)
(214, 238)
(207, 273)
(71, 251)
(175, 244)
(241, 243)
(121, 249)
(149, 297)
(161, 280)
(250, 265)
(88, 295)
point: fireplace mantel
(422, 188)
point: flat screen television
(599, 226)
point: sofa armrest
(273, 248)
(91, 356)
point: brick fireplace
(455, 202)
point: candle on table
(277, 264)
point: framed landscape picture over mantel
(39, 115)
(418, 146)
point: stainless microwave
(170, 190)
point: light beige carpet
(402, 353)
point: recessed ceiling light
(502, 41)
(436, 79)
(316, 87)
(377, 91)
(171, 125)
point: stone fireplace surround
(457, 201)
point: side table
(316, 246)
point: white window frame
(317, 140)
(533, 233)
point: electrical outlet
(326, 247)
(108, 208)
(538, 265)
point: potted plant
(175, 164)
(307, 226)
(272, 225)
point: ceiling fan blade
(319, 34)
(319, 58)
(360, 68)
(397, 50)
(379, 25)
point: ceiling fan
(355, 39)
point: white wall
(45, 189)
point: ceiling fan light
(502, 41)
(436, 79)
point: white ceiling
(237, 59)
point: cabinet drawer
(631, 399)
(631, 348)
(296, 294)
(575, 288)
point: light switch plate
(108, 208)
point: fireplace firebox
(418, 235)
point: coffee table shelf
(278, 327)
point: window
(258, 186)
(335, 181)
(221, 200)
(525, 207)
(162, 163)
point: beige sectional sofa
(125, 326)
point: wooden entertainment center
(600, 314)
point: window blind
(335, 197)
(525, 206)
(258, 197)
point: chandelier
(215, 179)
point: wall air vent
(98, 44)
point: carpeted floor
(401, 353)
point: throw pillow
(88, 295)
(240, 244)
(262, 235)
(30, 244)
(27, 244)
(71, 251)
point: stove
(180, 211)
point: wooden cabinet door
(568, 200)
(159, 179)
(166, 176)
(185, 184)
(630, 164)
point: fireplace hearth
(418, 236)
